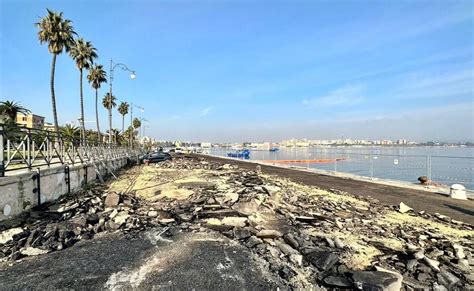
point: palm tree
(10, 109)
(117, 136)
(136, 123)
(96, 77)
(59, 34)
(123, 110)
(109, 102)
(83, 53)
(70, 133)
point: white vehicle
(178, 150)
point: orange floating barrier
(317, 161)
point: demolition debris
(308, 237)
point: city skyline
(239, 71)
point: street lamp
(133, 75)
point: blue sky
(260, 70)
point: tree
(96, 77)
(10, 109)
(117, 136)
(123, 110)
(109, 102)
(136, 123)
(83, 53)
(58, 33)
(70, 133)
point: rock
(269, 233)
(112, 199)
(450, 278)
(411, 264)
(459, 251)
(166, 220)
(121, 218)
(246, 208)
(330, 242)
(437, 287)
(58, 208)
(338, 281)
(419, 255)
(273, 251)
(286, 273)
(432, 263)
(216, 224)
(33, 236)
(403, 208)
(7, 235)
(272, 190)
(241, 233)
(338, 243)
(422, 277)
(235, 221)
(307, 219)
(289, 239)
(30, 251)
(286, 249)
(253, 241)
(92, 219)
(297, 259)
(322, 260)
(377, 280)
(218, 213)
(231, 197)
(152, 213)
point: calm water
(445, 165)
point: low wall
(21, 192)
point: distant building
(30, 120)
(205, 145)
(48, 126)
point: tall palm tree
(10, 109)
(83, 53)
(109, 102)
(123, 110)
(58, 33)
(96, 77)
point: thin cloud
(436, 85)
(206, 111)
(345, 96)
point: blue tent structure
(244, 154)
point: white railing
(26, 148)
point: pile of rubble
(307, 236)
(73, 218)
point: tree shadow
(461, 209)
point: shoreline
(440, 190)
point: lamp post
(113, 65)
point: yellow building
(30, 120)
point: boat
(243, 154)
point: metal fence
(442, 169)
(26, 148)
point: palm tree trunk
(97, 115)
(110, 125)
(53, 98)
(83, 128)
(123, 123)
